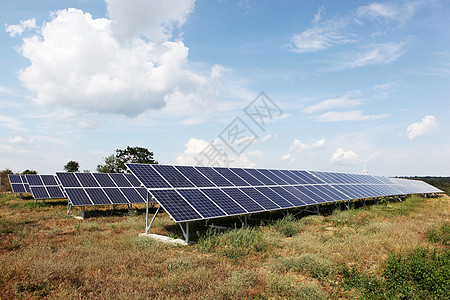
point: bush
(234, 243)
(440, 234)
(288, 226)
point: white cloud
(153, 19)
(320, 36)
(341, 157)
(376, 10)
(20, 28)
(427, 126)
(88, 124)
(145, 72)
(373, 54)
(341, 102)
(353, 115)
(195, 147)
(10, 122)
(298, 146)
(268, 137)
(20, 141)
(256, 153)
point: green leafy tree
(115, 163)
(109, 165)
(29, 172)
(72, 166)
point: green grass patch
(439, 234)
(234, 244)
(312, 264)
(288, 226)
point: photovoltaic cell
(273, 177)
(197, 178)
(282, 191)
(201, 203)
(55, 192)
(68, 180)
(232, 177)
(15, 179)
(34, 180)
(259, 198)
(133, 180)
(284, 176)
(148, 176)
(116, 196)
(175, 178)
(222, 200)
(132, 195)
(87, 179)
(274, 197)
(175, 205)
(104, 180)
(18, 188)
(98, 196)
(245, 201)
(215, 177)
(246, 176)
(49, 180)
(78, 197)
(120, 180)
(260, 176)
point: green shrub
(440, 234)
(234, 243)
(288, 226)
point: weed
(312, 264)
(36, 289)
(234, 243)
(285, 286)
(288, 226)
(439, 234)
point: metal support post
(68, 207)
(185, 231)
(43, 202)
(82, 211)
(147, 227)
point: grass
(347, 254)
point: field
(348, 254)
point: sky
(312, 85)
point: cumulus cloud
(428, 125)
(125, 64)
(298, 146)
(352, 115)
(341, 157)
(20, 28)
(268, 137)
(195, 147)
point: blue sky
(345, 82)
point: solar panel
(201, 203)
(98, 196)
(19, 184)
(120, 180)
(87, 179)
(44, 187)
(133, 195)
(195, 193)
(104, 180)
(68, 180)
(78, 197)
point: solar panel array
(45, 187)
(85, 189)
(190, 193)
(19, 184)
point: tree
(29, 172)
(109, 165)
(116, 163)
(72, 166)
(4, 182)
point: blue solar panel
(55, 192)
(133, 195)
(232, 177)
(285, 176)
(258, 175)
(246, 176)
(201, 203)
(322, 193)
(283, 192)
(175, 205)
(306, 177)
(133, 180)
(68, 180)
(273, 177)
(245, 201)
(148, 176)
(120, 180)
(116, 196)
(49, 180)
(34, 180)
(87, 179)
(78, 197)
(98, 196)
(144, 194)
(104, 180)
(215, 177)
(39, 192)
(310, 198)
(15, 179)
(175, 178)
(224, 202)
(18, 188)
(259, 198)
(269, 193)
(197, 178)
(298, 179)
(338, 195)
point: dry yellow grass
(46, 254)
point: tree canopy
(72, 166)
(31, 172)
(115, 163)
